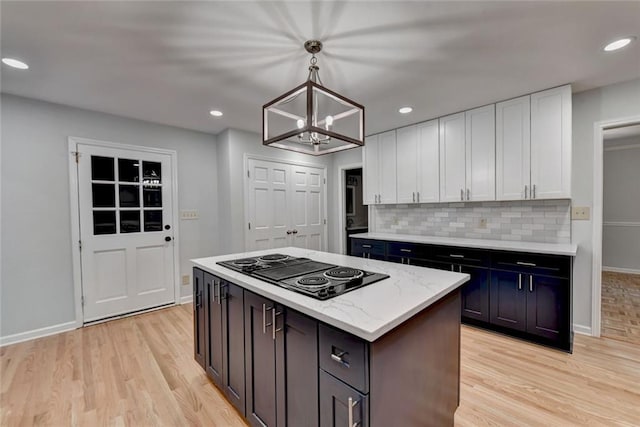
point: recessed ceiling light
(405, 110)
(618, 44)
(215, 113)
(12, 62)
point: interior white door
(125, 207)
(407, 164)
(481, 153)
(285, 206)
(452, 158)
(513, 149)
(370, 161)
(428, 162)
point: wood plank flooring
(621, 306)
(140, 371)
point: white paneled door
(126, 230)
(285, 206)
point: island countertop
(368, 312)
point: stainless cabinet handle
(352, 404)
(468, 194)
(408, 261)
(198, 302)
(337, 357)
(530, 283)
(452, 267)
(405, 250)
(366, 246)
(533, 192)
(289, 231)
(526, 191)
(519, 281)
(459, 269)
(461, 194)
(264, 318)
(295, 231)
(456, 256)
(418, 193)
(216, 286)
(274, 315)
(414, 197)
(526, 264)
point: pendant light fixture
(312, 119)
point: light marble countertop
(568, 249)
(368, 312)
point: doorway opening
(620, 275)
(355, 215)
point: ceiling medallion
(312, 119)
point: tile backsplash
(528, 221)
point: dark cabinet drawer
(368, 248)
(544, 265)
(461, 256)
(407, 250)
(344, 356)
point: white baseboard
(582, 330)
(187, 299)
(621, 270)
(37, 333)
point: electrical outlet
(189, 214)
(483, 222)
(186, 279)
(580, 213)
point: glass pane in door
(103, 195)
(128, 170)
(104, 222)
(152, 196)
(129, 221)
(152, 172)
(129, 196)
(102, 168)
(153, 220)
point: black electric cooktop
(312, 278)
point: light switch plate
(192, 214)
(580, 213)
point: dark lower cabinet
(508, 300)
(547, 299)
(475, 294)
(213, 329)
(199, 336)
(340, 404)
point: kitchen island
(381, 355)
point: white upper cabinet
(418, 163)
(379, 159)
(452, 158)
(428, 190)
(481, 154)
(551, 144)
(513, 149)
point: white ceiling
(172, 62)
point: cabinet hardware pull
(452, 267)
(519, 281)
(338, 357)
(366, 246)
(198, 302)
(460, 269)
(530, 283)
(461, 194)
(408, 261)
(414, 197)
(533, 191)
(264, 318)
(294, 231)
(289, 231)
(418, 193)
(274, 315)
(456, 256)
(216, 286)
(468, 194)
(526, 264)
(526, 191)
(405, 250)
(352, 404)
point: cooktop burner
(312, 278)
(343, 273)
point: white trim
(598, 179)
(245, 181)
(621, 270)
(581, 329)
(342, 233)
(187, 299)
(622, 147)
(73, 142)
(621, 224)
(38, 333)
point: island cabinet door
(548, 307)
(341, 405)
(260, 361)
(475, 294)
(213, 329)
(233, 340)
(199, 337)
(508, 299)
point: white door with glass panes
(126, 230)
(285, 206)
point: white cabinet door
(452, 158)
(481, 153)
(551, 143)
(513, 149)
(370, 161)
(387, 167)
(407, 164)
(428, 162)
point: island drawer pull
(366, 246)
(526, 264)
(352, 404)
(456, 256)
(405, 250)
(274, 315)
(264, 318)
(519, 281)
(530, 283)
(338, 354)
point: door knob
(167, 239)
(167, 227)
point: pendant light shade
(312, 119)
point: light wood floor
(621, 306)
(140, 371)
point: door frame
(342, 208)
(75, 215)
(598, 189)
(245, 185)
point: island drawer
(368, 247)
(462, 256)
(407, 250)
(344, 356)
